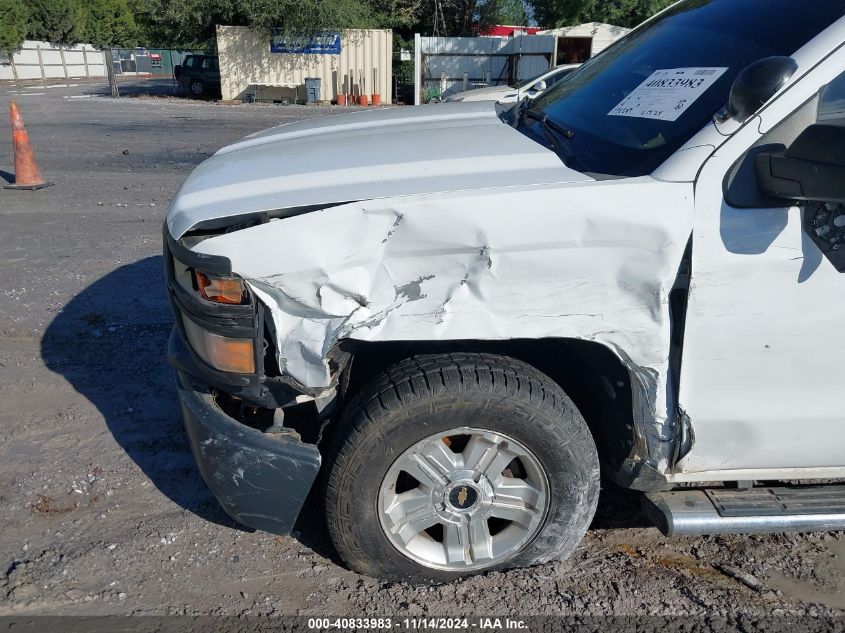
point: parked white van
(440, 321)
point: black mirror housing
(756, 84)
(811, 169)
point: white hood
(362, 156)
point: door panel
(764, 340)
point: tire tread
(427, 377)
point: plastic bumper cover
(260, 480)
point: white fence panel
(51, 57)
(74, 57)
(54, 72)
(42, 60)
(26, 55)
(24, 72)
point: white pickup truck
(443, 323)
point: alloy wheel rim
(463, 499)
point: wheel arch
(592, 375)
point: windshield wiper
(553, 131)
(547, 121)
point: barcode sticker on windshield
(666, 94)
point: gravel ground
(104, 511)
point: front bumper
(260, 479)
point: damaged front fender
(589, 260)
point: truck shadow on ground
(150, 87)
(619, 509)
(110, 343)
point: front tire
(453, 464)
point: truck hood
(362, 156)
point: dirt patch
(48, 505)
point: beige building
(576, 44)
(248, 68)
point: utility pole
(108, 58)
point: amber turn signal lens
(220, 290)
(235, 355)
(231, 354)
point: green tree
(511, 12)
(108, 23)
(59, 21)
(395, 14)
(465, 17)
(454, 18)
(186, 24)
(12, 26)
(192, 23)
(554, 13)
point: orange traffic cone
(27, 175)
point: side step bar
(756, 510)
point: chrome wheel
(463, 499)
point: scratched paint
(597, 264)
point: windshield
(623, 120)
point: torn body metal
(586, 260)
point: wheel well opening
(592, 375)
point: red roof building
(503, 30)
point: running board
(751, 511)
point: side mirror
(755, 85)
(540, 85)
(177, 70)
(811, 169)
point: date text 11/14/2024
(432, 623)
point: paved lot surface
(103, 510)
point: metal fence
(151, 61)
(450, 64)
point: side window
(828, 106)
(825, 222)
(551, 81)
(832, 101)
(805, 159)
(192, 61)
(210, 63)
